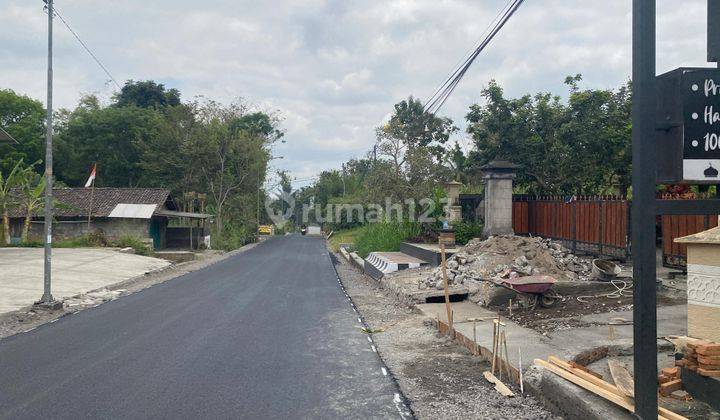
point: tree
(225, 155)
(112, 137)
(23, 119)
(7, 198)
(582, 147)
(413, 143)
(147, 94)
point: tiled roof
(75, 202)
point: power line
(94, 57)
(437, 100)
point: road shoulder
(439, 378)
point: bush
(129, 241)
(386, 236)
(234, 237)
(465, 231)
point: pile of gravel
(482, 260)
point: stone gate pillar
(498, 178)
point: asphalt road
(265, 334)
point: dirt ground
(438, 377)
(31, 317)
(568, 310)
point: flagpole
(92, 195)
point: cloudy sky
(333, 68)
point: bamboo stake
(507, 356)
(447, 292)
(494, 347)
(520, 371)
(475, 344)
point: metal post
(47, 296)
(643, 209)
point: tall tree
(112, 137)
(23, 119)
(226, 155)
(146, 94)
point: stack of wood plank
(703, 358)
(598, 386)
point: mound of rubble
(499, 255)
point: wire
(468, 53)
(94, 57)
(439, 98)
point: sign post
(643, 208)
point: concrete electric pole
(47, 298)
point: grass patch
(140, 247)
(345, 236)
(384, 237)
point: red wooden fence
(597, 225)
(675, 255)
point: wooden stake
(447, 292)
(506, 356)
(496, 327)
(520, 371)
(510, 307)
(611, 332)
(475, 344)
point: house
(146, 213)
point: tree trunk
(26, 227)
(219, 220)
(6, 226)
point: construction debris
(622, 378)
(702, 357)
(597, 386)
(510, 255)
(499, 386)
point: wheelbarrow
(534, 289)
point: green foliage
(347, 236)
(582, 147)
(234, 236)
(147, 94)
(111, 136)
(125, 241)
(386, 236)
(415, 127)
(23, 119)
(465, 231)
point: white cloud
(335, 68)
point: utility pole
(644, 208)
(47, 298)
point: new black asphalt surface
(264, 334)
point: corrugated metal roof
(133, 211)
(170, 213)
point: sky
(334, 69)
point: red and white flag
(91, 180)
